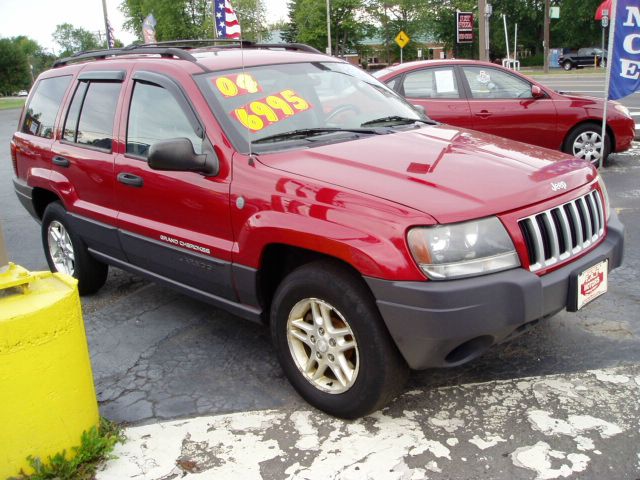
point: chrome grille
(563, 231)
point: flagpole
(607, 80)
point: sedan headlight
(622, 109)
(465, 249)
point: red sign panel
(464, 27)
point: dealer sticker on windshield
(592, 283)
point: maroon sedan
(486, 97)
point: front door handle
(130, 179)
(61, 161)
(483, 114)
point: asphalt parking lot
(158, 355)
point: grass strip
(95, 447)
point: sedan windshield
(292, 105)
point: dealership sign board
(464, 27)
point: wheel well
(610, 134)
(278, 260)
(41, 198)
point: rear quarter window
(43, 108)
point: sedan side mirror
(536, 92)
(177, 155)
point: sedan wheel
(567, 66)
(588, 146)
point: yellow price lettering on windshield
(252, 122)
(260, 114)
(297, 102)
(234, 85)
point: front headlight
(622, 109)
(465, 249)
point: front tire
(567, 65)
(585, 142)
(66, 252)
(332, 343)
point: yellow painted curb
(47, 397)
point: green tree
(192, 19)
(75, 39)
(308, 24)
(14, 67)
(39, 60)
(252, 15)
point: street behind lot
(158, 355)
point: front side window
(91, 114)
(292, 105)
(431, 83)
(155, 115)
(492, 83)
(40, 116)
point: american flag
(227, 24)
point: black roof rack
(178, 49)
(130, 50)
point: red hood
(451, 174)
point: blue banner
(625, 57)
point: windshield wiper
(396, 120)
(311, 132)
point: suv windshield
(289, 105)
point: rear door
(437, 90)
(501, 103)
(83, 159)
(175, 225)
(37, 130)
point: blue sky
(37, 19)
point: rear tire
(332, 342)
(585, 142)
(66, 252)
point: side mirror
(177, 155)
(420, 109)
(536, 92)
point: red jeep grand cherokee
(291, 188)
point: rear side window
(44, 105)
(90, 117)
(156, 115)
(431, 83)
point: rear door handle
(130, 179)
(483, 114)
(61, 161)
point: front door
(437, 90)
(501, 103)
(175, 225)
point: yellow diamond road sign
(402, 39)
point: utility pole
(482, 30)
(328, 28)
(547, 21)
(106, 24)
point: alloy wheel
(323, 346)
(61, 248)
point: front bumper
(442, 324)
